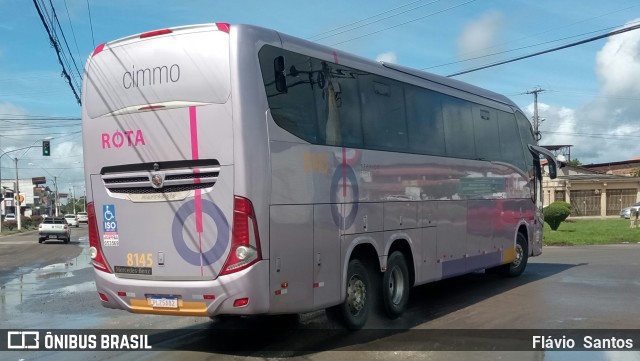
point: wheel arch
(523, 228)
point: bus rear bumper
(242, 293)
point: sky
(590, 97)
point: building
(35, 197)
(591, 192)
(625, 167)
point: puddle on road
(49, 281)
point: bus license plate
(164, 302)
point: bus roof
(452, 83)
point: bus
(237, 170)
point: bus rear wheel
(354, 311)
(395, 285)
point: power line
(524, 47)
(72, 31)
(361, 20)
(91, 25)
(55, 46)
(57, 21)
(405, 23)
(612, 33)
(540, 33)
(376, 21)
(596, 135)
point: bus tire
(395, 285)
(354, 311)
(515, 268)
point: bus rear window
(190, 67)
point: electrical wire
(56, 48)
(527, 46)
(548, 30)
(91, 25)
(404, 23)
(75, 40)
(612, 33)
(361, 20)
(378, 20)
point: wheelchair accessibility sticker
(109, 226)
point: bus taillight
(155, 33)
(245, 243)
(95, 249)
(224, 27)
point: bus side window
(526, 137)
(458, 128)
(510, 144)
(424, 121)
(485, 123)
(383, 114)
(295, 109)
(337, 104)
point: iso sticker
(110, 236)
(109, 222)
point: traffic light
(46, 151)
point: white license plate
(164, 302)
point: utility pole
(55, 182)
(536, 119)
(73, 198)
(18, 209)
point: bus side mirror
(552, 163)
(280, 77)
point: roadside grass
(591, 231)
(7, 232)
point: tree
(574, 162)
(556, 213)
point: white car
(10, 217)
(72, 220)
(83, 217)
(626, 212)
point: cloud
(618, 64)
(11, 109)
(558, 123)
(480, 35)
(607, 128)
(388, 57)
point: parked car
(626, 212)
(83, 217)
(54, 227)
(72, 220)
(10, 217)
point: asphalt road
(51, 286)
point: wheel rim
(356, 294)
(395, 286)
(519, 256)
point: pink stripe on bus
(193, 125)
(194, 132)
(335, 57)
